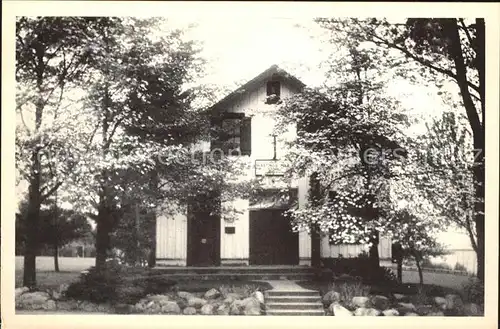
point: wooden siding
(236, 246)
(353, 250)
(171, 239)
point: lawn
(71, 268)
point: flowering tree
(349, 136)
(448, 53)
(51, 58)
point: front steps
(294, 302)
(297, 273)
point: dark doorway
(272, 241)
(203, 243)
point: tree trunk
(314, 198)
(56, 257)
(420, 274)
(103, 230)
(32, 223)
(475, 123)
(399, 263)
(373, 255)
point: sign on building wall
(269, 168)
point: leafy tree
(443, 51)
(57, 227)
(51, 57)
(416, 237)
(349, 135)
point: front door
(203, 239)
(272, 241)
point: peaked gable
(273, 72)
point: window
(274, 88)
(234, 134)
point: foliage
(117, 284)
(57, 226)
(447, 54)
(98, 285)
(473, 291)
(348, 290)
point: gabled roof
(256, 82)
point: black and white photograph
(251, 163)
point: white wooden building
(261, 235)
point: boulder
(411, 314)
(189, 311)
(182, 303)
(380, 302)
(424, 309)
(399, 297)
(89, 307)
(67, 305)
(471, 309)
(236, 307)
(391, 312)
(104, 308)
(50, 305)
(362, 311)
(228, 300)
(406, 307)
(153, 308)
(455, 303)
(184, 294)
(62, 288)
(234, 296)
(20, 291)
(361, 301)
(170, 307)
(223, 310)
(438, 313)
(196, 302)
(331, 297)
(259, 296)
(212, 294)
(251, 306)
(207, 309)
(32, 300)
(338, 310)
(158, 298)
(439, 301)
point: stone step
(294, 306)
(232, 269)
(234, 276)
(296, 312)
(244, 275)
(293, 299)
(290, 293)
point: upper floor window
(233, 134)
(274, 88)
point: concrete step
(296, 312)
(235, 276)
(232, 269)
(294, 306)
(291, 293)
(293, 299)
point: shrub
(382, 276)
(473, 291)
(245, 290)
(460, 267)
(348, 290)
(97, 285)
(117, 283)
